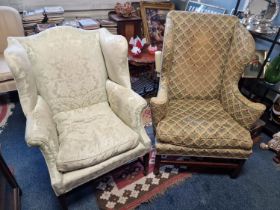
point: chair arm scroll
(128, 106)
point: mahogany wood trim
(146, 160)
(234, 166)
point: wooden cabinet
(9, 190)
(128, 27)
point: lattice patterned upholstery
(202, 124)
(201, 49)
(199, 110)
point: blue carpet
(257, 188)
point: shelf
(269, 38)
(270, 126)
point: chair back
(195, 53)
(68, 67)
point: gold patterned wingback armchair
(75, 92)
(199, 111)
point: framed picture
(154, 16)
(136, 7)
(252, 70)
(194, 6)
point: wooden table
(145, 58)
(128, 27)
(143, 68)
(277, 158)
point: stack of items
(89, 24)
(109, 25)
(71, 22)
(54, 14)
(31, 19)
(42, 27)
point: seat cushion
(90, 135)
(5, 73)
(202, 124)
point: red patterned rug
(127, 187)
(5, 112)
(147, 116)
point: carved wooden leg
(62, 202)
(146, 160)
(235, 173)
(157, 164)
(277, 158)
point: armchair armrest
(240, 108)
(41, 131)
(129, 107)
(159, 105)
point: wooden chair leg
(146, 160)
(157, 164)
(277, 158)
(62, 201)
(235, 173)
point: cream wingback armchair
(75, 91)
(199, 111)
(10, 25)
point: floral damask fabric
(199, 109)
(61, 77)
(129, 110)
(90, 135)
(18, 61)
(73, 78)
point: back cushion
(68, 66)
(200, 47)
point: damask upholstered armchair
(199, 111)
(75, 92)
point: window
(66, 4)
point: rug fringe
(180, 180)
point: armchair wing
(159, 104)
(18, 60)
(240, 108)
(114, 48)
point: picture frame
(154, 16)
(194, 6)
(136, 7)
(253, 68)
